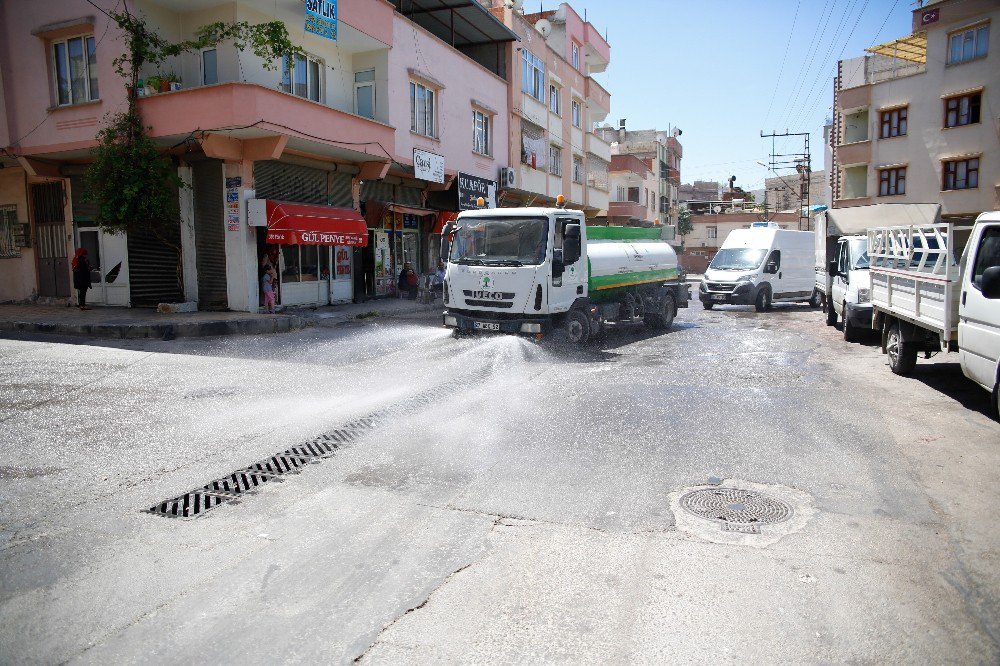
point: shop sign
(321, 18)
(411, 221)
(280, 237)
(233, 203)
(428, 166)
(471, 188)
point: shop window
(532, 75)
(891, 182)
(968, 44)
(309, 258)
(893, 123)
(324, 263)
(342, 263)
(364, 93)
(422, 110)
(961, 174)
(481, 139)
(74, 63)
(962, 110)
(289, 264)
(302, 75)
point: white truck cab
(850, 292)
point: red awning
(443, 218)
(306, 224)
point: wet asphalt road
(514, 505)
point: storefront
(311, 247)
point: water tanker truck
(537, 271)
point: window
(75, 63)
(893, 123)
(962, 110)
(621, 193)
(575, 55)
(891, 182)
(364, 93)
(555, 160)
(712, 232)
(961, 174)
(209, 67)
(633, 194)
(577, 114)
(577, 169)
(422, 110)
(532, 75)
(302, 75)
(8, 233)
(987, 256)
(968, 44)
(555, 99)
(481, 133)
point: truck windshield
(859, 253)
(738, 259)
(501, 241)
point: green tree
(684, 225)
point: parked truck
(936, 288)
(843, 283)
(537, 271)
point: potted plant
(152, 84)
(167, 82)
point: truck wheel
(831, 314)
(763, 301)
(995, 402)
(577, 327)
(663, 319)
(902, 355)
(816, 299)
(708, 305)
(850, 332)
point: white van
(761, 265)
(850, 292)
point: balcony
(627, 209)
(598, 147)
(260, 112)
(854, 153)
(629, 164)
(598, 99)
(854, 98)
(596, 49)
(674, 176)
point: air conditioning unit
(508, 177)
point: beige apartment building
(554, 105)
(916, 119)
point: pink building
(334, 129)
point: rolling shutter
(289, 182)
(408, 196)
(209, 235)
(154, 264)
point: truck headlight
(745, 278)
(864, 295)
(451, 321)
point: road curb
(181, 329)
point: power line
(781, 68)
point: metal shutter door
(154, 264)
(376, 191)
(209, 235)
(408, 196)
(289, 182)
(340, 190)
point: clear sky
(719, 71)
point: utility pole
(802, 164)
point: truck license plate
(719, 297)
(486, 326)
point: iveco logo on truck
(488, 295)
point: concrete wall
(17, 275)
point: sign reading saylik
(428, 166)
(321, 18)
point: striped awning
(912, 48)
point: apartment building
(634, 192)
(785, 192)
(368, 132)
(699, 190)
(662, 153)
(554, 104)
(916, 120)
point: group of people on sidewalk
(408, 282)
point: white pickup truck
(927, 298)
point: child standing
(267, 284)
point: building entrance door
(48, 206)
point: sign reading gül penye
(321, 18)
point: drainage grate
(281, 463)
(188, 505)
(238, 483)
(738, 510)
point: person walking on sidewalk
(267, 284)
(81, 277)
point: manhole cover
(740, 509)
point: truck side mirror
(831, 268)
(572, 247)
(991, 283)
(558, 267)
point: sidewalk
(134, 323)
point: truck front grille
(490, 304)
(726, 287)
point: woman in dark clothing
(81, 277)
(408, 282)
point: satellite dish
(716, 209)
(544, 27)
(513, 4)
